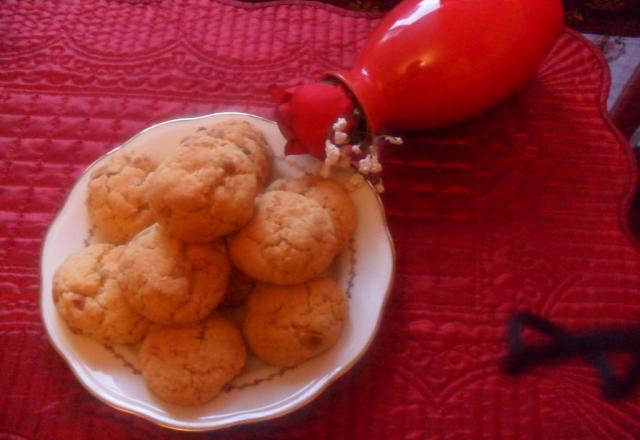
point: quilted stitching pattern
(523, 208)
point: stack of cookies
(199, 232)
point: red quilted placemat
(525, 208)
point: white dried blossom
(341, 138)
(340, 124)
(364, 165)
(376, 167)
(395, 140)
(356, 149)
(370, 165)
(332, 153)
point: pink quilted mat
(523, 209)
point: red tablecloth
(524, 208)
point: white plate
(262, 392)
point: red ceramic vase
(432, 63)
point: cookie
(117, 197)
(191, 365)
(238, 289)
(250, 141)
(201, 193)
(290, 239)
(171, 282)
(332, 197)
(87, 296)
(286, 325)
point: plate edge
(323, 383)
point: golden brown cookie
(191, 365)
(331, 196)
(88, 298)
(238, 289)
(117, 197)
(290, 239)
(201, 193)
(286, 325)
(250, 141)
(171, 282)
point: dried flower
(307, 113)
(341, 138)
(320, 119)
(340, 125)
(332, 153)
(394, 140)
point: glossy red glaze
(432, 63)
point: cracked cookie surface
(286, 325)
(191, 365)
(87, 296)
(171, 282)
(290, 239)
(117, 196)
(251, 141)
(331, 196)
(202, 192)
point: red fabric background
(524, 208)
